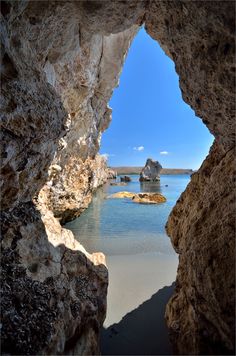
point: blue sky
(149, 118)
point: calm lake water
(121, 227)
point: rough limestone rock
(50, 287)
(122, 195)
(60, 63)
(151, 171)
(200, 38)
(57, 76)
(142, 198)
(149, 198)
(204, 241)
(69, 190)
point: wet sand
(139, 288)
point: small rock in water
(122, 195)
(151, 171)
(125, 179)
(149, 198)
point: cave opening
(149, 119)
(61, 62)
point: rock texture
(57, 75)
(200, 38)
(60, 64)
(122, 195)
(149, 198)
(151, 171)
(141, 198)
(69, 189)
(206, 245)
(53, 291)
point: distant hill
(137, 170)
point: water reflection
(150, 187)
(117, 226)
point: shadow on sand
(142, 331)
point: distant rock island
(137, 170)
(151, 171)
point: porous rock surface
(52, 289)
(151, 171)
(149, 198)
(200, 38)
(58, 74)
(205, 243)
(60, 64)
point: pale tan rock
(122, 195)
(206, 244)
(142, 198)
(149, 198)
(60, 64)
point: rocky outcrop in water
(151, 171)
(60, 64)
(126, 179)
(141, 198)
(149, 198)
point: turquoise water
(119, 226)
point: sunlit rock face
(60, 64)
(58, 75)
(69, 189)
(199, 37)
(151, 171)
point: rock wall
(69, 189)
(205, 288)
(200, 37)
(60, 64)
(58, 74)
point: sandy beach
(140, 286)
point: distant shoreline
(137, 170)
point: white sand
(133, 279)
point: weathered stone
(151, 171)
(200, 38)
(142, 198)
(49, 286)
(206, 245)
(70, 190)
(149, 198)
(60, 64)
